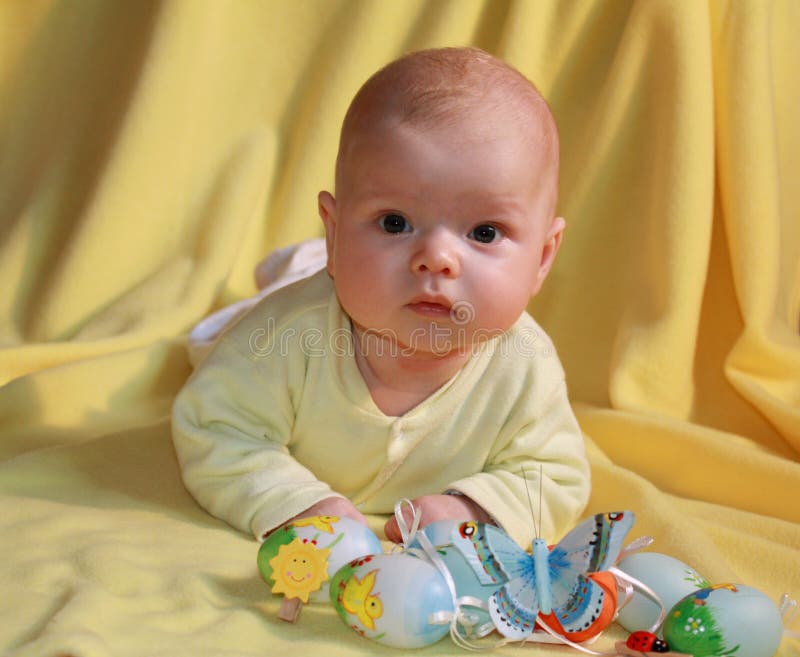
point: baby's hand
(333, 506)
(438, 507)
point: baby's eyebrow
(383, 198)
(498, 206)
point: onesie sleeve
(231, 425)
(548, 438)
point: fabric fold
(152, 153)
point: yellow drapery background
(152, 152)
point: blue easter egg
(393, 599)
(725, 619)
(669, 579)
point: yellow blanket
(152, 152)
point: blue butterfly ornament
(546, 580)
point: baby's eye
(484, 233)
(394, 223)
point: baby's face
(437, 240)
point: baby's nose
(437, 255)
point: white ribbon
(634, 546)
(407, 535)
(788, 608)
(629, 584)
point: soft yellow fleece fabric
(152, 152)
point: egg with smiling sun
(298, 559)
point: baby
(408, 367)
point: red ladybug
(646, 642)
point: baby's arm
(231, 427)
(543, 434)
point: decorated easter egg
(299, 559)
(393, 599)
(669, 579)
(725, 619)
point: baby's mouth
(429, 309)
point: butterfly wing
(496, 558)
(582, 606)
(513, 608)
(490, 552)
(595, 544)
(592, 546)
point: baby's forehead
(478, 119)
(463, 89)
(494, 129)
(479, 112)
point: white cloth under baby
(277, 270)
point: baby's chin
(439, 342)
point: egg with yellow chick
(394, 599)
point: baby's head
(465, 89)
(446, 189)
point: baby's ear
(552, 242)
(327, 212)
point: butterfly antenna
(540, 493)
(530, 502)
